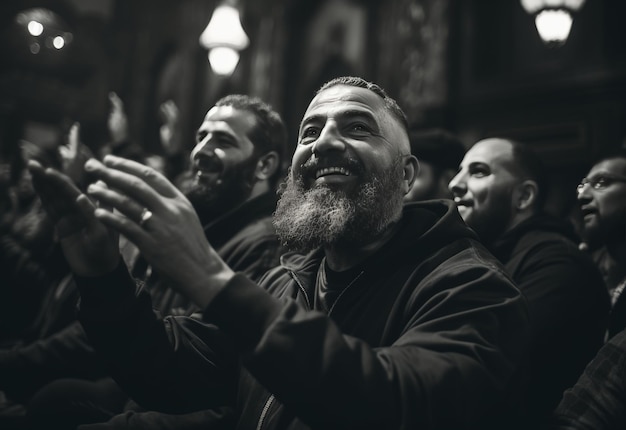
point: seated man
(602, 200)
(499, 190)
(439, 153)
(597, 402)
(388, 317)
(234, 171)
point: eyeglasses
(601, 182)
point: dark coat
(431, 335)
(568, 306)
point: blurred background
(474, 67)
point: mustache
(313, 164)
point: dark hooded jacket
(568, 306)
(430, 334)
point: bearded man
(387, 316)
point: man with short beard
(602, 200)
(499, 190)
(386, 316)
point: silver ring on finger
(145, 216)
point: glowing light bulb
(35, 28)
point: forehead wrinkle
(217, 127)
(348, 114)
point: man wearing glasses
(596, 401)
(602, 200)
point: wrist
(204, 289)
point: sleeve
(66, 354)
(460, 345)
(173, 365)
(598, 400)
(455, 359)
(254, 251)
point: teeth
(330, 171)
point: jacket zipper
(344, 290)
(301, 288)
(271, 398)
(266, 408)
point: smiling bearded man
(308, 218)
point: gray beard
(307, 219)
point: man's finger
(126, 183)
(123, 225)
(116, 101)
(74, 138)
(149, 175)
(112, 199)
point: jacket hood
(424, 227)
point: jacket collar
(425, 227)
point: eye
(200, 135)
(309, 134)
(224, 140)
(600, 183)
(479, 171)
(358, 128)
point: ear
(266, 166)
(411, 170)
(525, 195)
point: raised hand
(168, 132)
(117, 121)
(91, 248)
(74, 155)
(153, 214)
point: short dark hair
(438, 147)
(269, 133)
(390, 104)
(531, 166)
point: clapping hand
(74, 155)
(91, 248)
(117, 120)
(153, 214)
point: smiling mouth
(331, 171)
(588, 212)
(461, 203)
(205, 166)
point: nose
(582, 192)
(330, 139)
(203, 147)
(457, 185)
